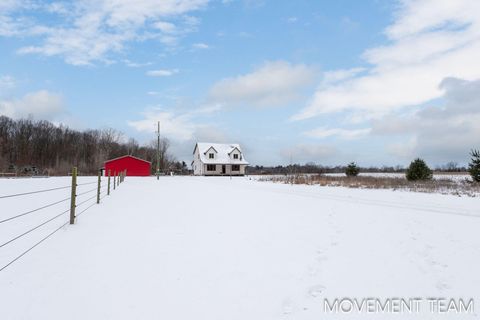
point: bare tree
(166, 158)
(41, 144)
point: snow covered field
(220, 248)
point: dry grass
(443, 186)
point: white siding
(235, 152)
(219, 170)
(197, 164)
(200, 162)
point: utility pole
(158, 151)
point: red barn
(134, 166)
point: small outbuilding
(133, 165)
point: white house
(216, 159)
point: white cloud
(336, 76)
(166, 27)
(133, 64)
(309, 152)
(184, 129)
(438, 133)
(200, 46)
(175, 125)
(39, 105)
(429, 41)
(10, 26)
(209, 134)
(161, 73)
(403, 150)
(273, 84)
(292, 19)
(7, 82)
(86, 31)
(6, 5)
(347, 134)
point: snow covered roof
(222, 153)
(126, 156)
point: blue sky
(378, 82)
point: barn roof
(223, 153)
(127, 156)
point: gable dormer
(235, 154)
(211, 153)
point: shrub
(352, 170)
(418, 170)
(474, 166)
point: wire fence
(78, 199)
(33, 192)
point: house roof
(223, 153)
(126, 156)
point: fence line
(36, 244)
(32, 229)
(89, 191)
(78, 214)
(85, 184)
(119, 177)
(34, 210)
(79, 204)
(32, 192)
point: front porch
(224, 169)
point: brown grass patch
(443, 186)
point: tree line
(41, 147)
(312, 167)
(419, 170)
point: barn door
(223, 169)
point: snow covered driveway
(214, 248)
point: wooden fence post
(108, 188)
(118, 178)
(99, 184)
(73, 195)
(114, 180)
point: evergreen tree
(418, 170)
(474, 166)
(352, 170)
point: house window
(211, 156)
(211, 167)
(235, 167)
(235, 156)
